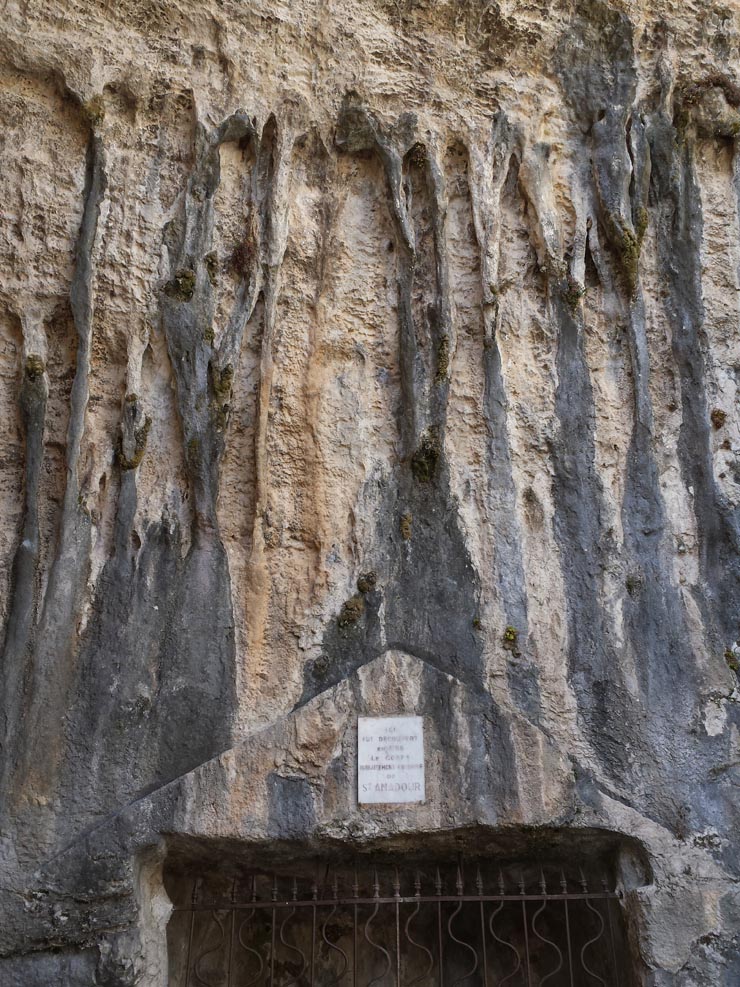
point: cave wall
(335, 332)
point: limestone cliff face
(365, 356)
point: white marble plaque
(390, 759)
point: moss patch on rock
(352, 610)
(443, 359)
(574, 291)
(641, 223)
(425, 460)
(367, 581)
(34, 367)
(182, 286)
(94, 110)
(321, 667)
(242, 257)
(630, 247)
(634, 583)
(211, 265)
(221, 384)
(510, 640)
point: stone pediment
(296, 779)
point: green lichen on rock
(182, 286)
(34, 367)
(140, 438)
(367, 581)
(497, 290)
(352, 610)
(627, 243)
(211, 265)
(733, 662)
(443, 359)
(226, 379)
(425, 460)
(718, 418)
(510, 640)
(405, 524)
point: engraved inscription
(390, 759)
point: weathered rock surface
(360, 358)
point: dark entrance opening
(399, 921)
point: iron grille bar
(483, 940)
(403, 900)
(526, 942)
(460, 939)
(356, 893)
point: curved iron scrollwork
(419, 945)
(248, 949)
(215, 949)
(338, 935)
(461, 942)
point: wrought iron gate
(399, 930)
